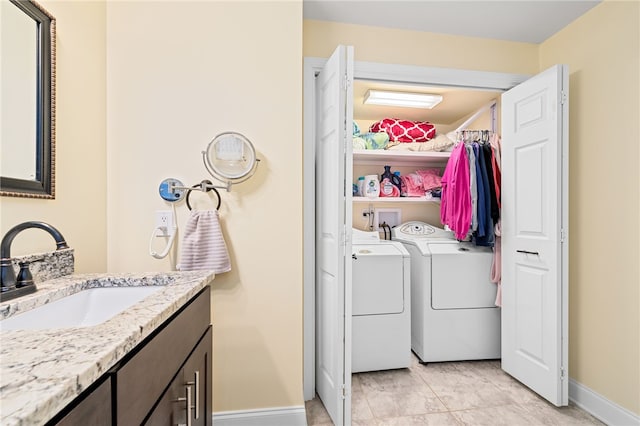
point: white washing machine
(381, 322)
(453, 312)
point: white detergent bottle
(371, 186)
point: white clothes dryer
(453, 312)
(381, 321)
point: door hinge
(345, 82)
(563, 236)
(563, 373)
(343, 394)
(563, 98)
(344, 237)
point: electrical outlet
(164, 221)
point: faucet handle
(24, 277)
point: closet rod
(476, 114)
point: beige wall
(602, 49)
(79, 209)
(178, 74)
(602, 52)
(391, 46)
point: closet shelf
(406, 157)
(408, 200)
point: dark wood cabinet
(189, 394)
(91, 409)
(162, 380)
(141, 381)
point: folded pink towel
(203, 246)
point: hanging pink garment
(455, 208)
(496, 144)
(496, 264)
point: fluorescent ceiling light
(402, 99)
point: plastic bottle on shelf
(386, 174)
(397, 181)
(388, 189)
(371, 186)
(361, 186)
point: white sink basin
(83, 309)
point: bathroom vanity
(150, 363)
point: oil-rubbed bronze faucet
(9, 288)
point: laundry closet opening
(465, 94)
(416, 287)
(536, 121)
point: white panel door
(334, 117)
(534, 233)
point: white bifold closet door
(334, 117)
(534, 233)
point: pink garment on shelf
(496, 264)
(413, 185)
(455, 208)
(430, 179)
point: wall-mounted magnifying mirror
(231, 158)
(27, 100)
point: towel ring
(204, 186)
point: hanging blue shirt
(487, 237)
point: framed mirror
(27, 100)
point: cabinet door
(171, 408)
(94, 409)
(189, 394)
(198, 375)
(142, 380)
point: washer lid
(461, 248)
(364, 237)
(379, 249)
(420, 231)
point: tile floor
(448, 393)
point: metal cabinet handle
(187, 407)
(196, 385)
(528, 252)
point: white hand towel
(203, 246)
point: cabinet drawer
(142, 380)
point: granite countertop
(41, 371)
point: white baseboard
(280, 416)
(600, 407)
